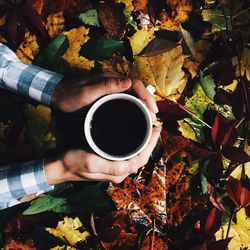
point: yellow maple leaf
(140, 39)
(68, 230)
(240, 231)
(55, 23)
(163, 71)
(28, 48)
(77, 37)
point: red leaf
(171, 110)
(199, 152)
(218, 245)
(247, 209)
(223, 131)
(236, 155)
(215, 129)
(245, 197)
(223, 97)
(173, 143)
(35, 23)
(234, 190)
(211, 224)
(215, 169)
(216, 201)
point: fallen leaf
(163, 71)
(28, 245)
(239, 230)
(55, 24)
(28, 49)
(141, 39)
(77, 37)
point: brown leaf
(157, 46)
(215, 200)
(28, 245)
(211, 224)
(199, 152)
(112, 19)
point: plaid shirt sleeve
(39, 84)
(18, 180)
(25, 79)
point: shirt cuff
(31, 81)
(21, 179)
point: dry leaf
(240, 231)
(140, 4)
(55, 24)
(128, 3)
(29, 245)
(179, 14)
(68, 229)
(141, 39)
(77, 37)
(163, 71)
(28, 48)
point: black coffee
(118, 127)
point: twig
(230, 222)
(153, 236)
(240, 13)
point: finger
(104, 177)
(97, 164)
(139, 88)
(141, 159)
(107, 86)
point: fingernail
(124, 82)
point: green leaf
(208, 85)
(57, 47)
(101, 49)
(49, 203)
(218, 17)
(90, 17)
(204, 183)
(143, 236)
(92, 197)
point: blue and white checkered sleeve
(28, 80)
(18, 180)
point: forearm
(18, 180)
(28, 80)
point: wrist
(54, 171)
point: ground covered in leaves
(194, 193)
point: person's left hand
(72, 95)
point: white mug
(101, 101)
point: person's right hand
(79, 165)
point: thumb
(107, 86)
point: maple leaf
(68, 230)
(77, 37)
(55, 24)
(28, 49)
(163, 71)
(128, 3)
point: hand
(79, 165)
(72, 95)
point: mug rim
(89, 117)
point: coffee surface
(118, 127)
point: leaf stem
(230, 222)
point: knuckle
(111, 83)
(118, 180)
